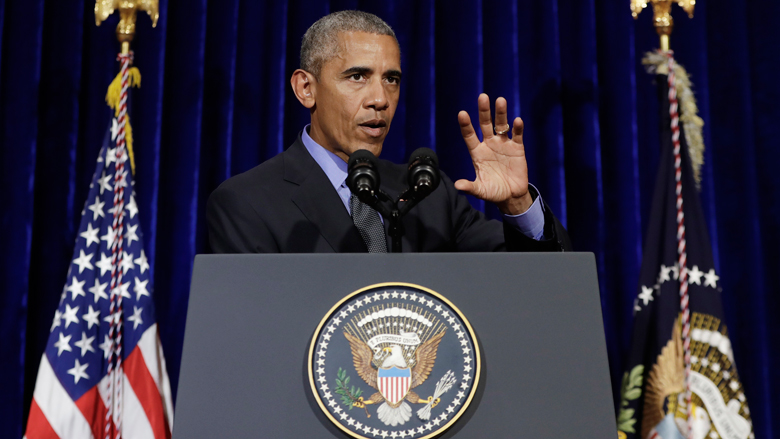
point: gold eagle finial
(662, 15)
(127, 15)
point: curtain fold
(20, 82)
(215, 101)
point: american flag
(75, 395)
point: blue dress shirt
(530, 223)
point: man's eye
(393, 80)
(356, 76)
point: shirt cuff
(531, 222)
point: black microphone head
(422, 153)
(423, 172)
(361, 155)
(363, 177)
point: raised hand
(499, 162)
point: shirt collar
(335, 168)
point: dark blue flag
(655, 402)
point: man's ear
(304, 86)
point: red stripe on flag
(94, 410)
(147, 393)
(38, 426)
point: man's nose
(377, 96)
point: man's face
(357, 94)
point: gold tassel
(129, 143)
(113, 95)
(689, 115)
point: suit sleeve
(474, 232)
(234, 226)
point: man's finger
(501, 117)
(467, 130)
(517, 131)
(485, 121)
(465, 186)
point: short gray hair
(320, 42)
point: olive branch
(630, 390)
(349, 395)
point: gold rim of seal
(463, 318)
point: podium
(537, 317)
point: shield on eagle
(394, 383)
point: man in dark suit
(298, 202)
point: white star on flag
(127, 262)
(106, 346)
(78, 371)
(143, 263)
(131, 207)
(62, 344)
(109, 237)
(76, 288)
(99, 290)
(694, 276)
(646, 295)
(56, 321)
(122, 289)
(664, 274)
(114, 133)
(92, 317)
(711, 279)
(97, 209)
(90, 235)
(70, 315)
(140, 288)
(104, 184)
(83, 261)
(104, 264)
(110, 156)
(136, 317)
(85, 344)
(131, 234)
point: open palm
(499, 161)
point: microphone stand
(393, 214)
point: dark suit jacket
(288, 205)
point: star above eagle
(394, 412)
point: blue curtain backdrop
(215, 101)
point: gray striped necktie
(370, 226)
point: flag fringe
(113, 96)
(655, 63)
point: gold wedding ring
(504, 129)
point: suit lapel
(319, 201)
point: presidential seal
(719, 407)
(394, 360)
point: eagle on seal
(394, 379)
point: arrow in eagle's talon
(428, 401)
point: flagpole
(664, 24)
(125, 32)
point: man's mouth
(374, 127)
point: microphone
(363, 177)
(423, 173)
